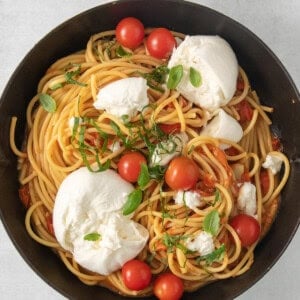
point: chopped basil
(172, 241)
(144, 176)
(216, 255)
(156, 77)
(217, 197)
(94, 236)
(211, 223)
(69, 76)
(133, 201)
(175, 75)
(83, 147)
(166, 215)
(195, 77)
(47, 102)
(157, 172)
(121, 52)
(128, 143)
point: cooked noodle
(52, 151)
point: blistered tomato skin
(182, 174)
(130, 32)
(168, 286)
(136, 275)
(160, 43)
(247, 228)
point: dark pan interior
(267, 76)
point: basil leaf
(94, 236)
(195, 77)
(175, 76)
(144, 176)
(216, 255)
(47, 102)
(121, 52)
(211, 223)
(133, 201)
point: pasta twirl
(77, 134)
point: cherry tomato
(240, 85)
(170, 128)
(245, 111)
(276, 144)
(129, 166)
(24, 195)
(136, 275)
(247, 228)
(232, 151)
(168, 287)
(264, 181)
(130, 32)
(182, 173)
(49, 221)
(160, 43)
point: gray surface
(23, 23)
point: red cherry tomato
(129, 166)
(24, 195)
(245, 111)
(247, 228)
(168, 287)
(160, 43)
(49, 221)
(182, 173)
(170, 128)
(264, 181)
(130, 32)
(136, 275)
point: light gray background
(24, 22)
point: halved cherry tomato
(240, 84)
(219, 155)
(136, 274)
(24, 195)
(245, 111)
(94, 140)
(130, 32)
(276, 144)
(129, 166)
(232, 151)
(170, 128)
(264, 181)
(49, 221)
(247, 228)
(182, 173)
(168, 287)
(245, 177)
(160, 43)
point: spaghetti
(52, 150)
